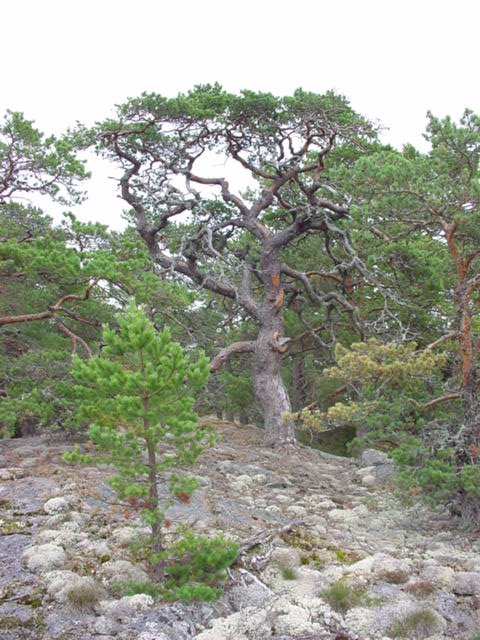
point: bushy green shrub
(194, 569)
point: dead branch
(264, 537)
(448, 336)
(442, 399)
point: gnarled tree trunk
(270, 390)
(270, 346)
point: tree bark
(469, 435)
(270, 345)
(298, 383)
(153, 503)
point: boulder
(467, 583)
(127, 606)
(373, 457)
(379, 465)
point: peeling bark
(468, 438)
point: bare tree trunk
(271, 393)
(229, 413)
(270, 346)
(153, 503)
(468, 439)
(298, 383)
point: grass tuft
(288, 572)
(394, 576)
(416, 626)
(84, 595)
(342, 596)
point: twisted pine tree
(137, 394)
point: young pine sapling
(137, 394)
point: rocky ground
(339, 557)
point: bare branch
(448, 336)
(236, 347)
(51, 312)
(74, 338)
(442, 399)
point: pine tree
(137, 394)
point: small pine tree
(137, 394)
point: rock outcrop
(339, 557)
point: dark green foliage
(51, 306)
(434, 472)
(197, 564)
(29, 162)
(195, 568)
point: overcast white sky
(64, 61)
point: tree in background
(31, 163)
(57, 282)
(427, 208)
(33, 261)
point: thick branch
(442, 399)
(206, 281)
(236, 347)
(74, 338)
(51, 312)
(448, 336)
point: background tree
(33, 262)
(427, 206)
(31, 163)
